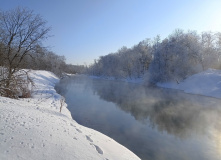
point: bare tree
(20, 32)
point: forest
(173, 58)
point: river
(154, 123)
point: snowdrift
(207, 83)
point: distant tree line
(125, 63)
(174, 58)
(43, 59)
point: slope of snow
(35, 129)
(206, 83)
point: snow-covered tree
(176, 57)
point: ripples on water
(154, 123)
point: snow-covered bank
(34, 128)
(206, 83)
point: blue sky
(83, 30)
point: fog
(154, 123)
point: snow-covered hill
(206, 83)
(34, 128)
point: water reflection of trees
(185, 116)
(167, 110)
(171, 111)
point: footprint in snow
(89, 139)
(79, 130)
(75, 138)
(97, 148)
(72, 125)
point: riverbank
(34, 128)
(207, 83)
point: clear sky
(83, 30)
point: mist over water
(154, 123)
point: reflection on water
(156, 124)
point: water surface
(154, 123)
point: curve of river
(154, 123)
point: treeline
(183, 54)
(125, 63)
(174, 58)
(43, 59)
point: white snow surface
(34, 129)
(207, 83)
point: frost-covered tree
(183, 54)
(210, 49)
(176, 57)
(125, 63)
(143, 57)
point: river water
(154, 123)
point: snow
(207, 83)
(33, 128)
